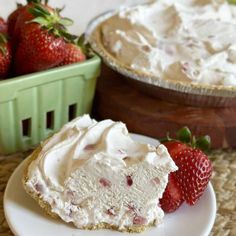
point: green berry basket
(34, 106)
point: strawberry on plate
(189, 182)
(42, 43)
(5, 56)
(172, 197)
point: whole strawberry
(194, 168)
(3, 25)
(42, 45)
(19, 17)
(75, 52)
(172, 197)
(5, 56)
(21, 9)
(12, 18)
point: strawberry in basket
(3, 25)
(189, 182)
(75, 51)
(18, 17)
(42, 40)
(5, 56)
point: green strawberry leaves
(37, 1)
(203, 143)
(3, 42)
(56, 25)
(39, 11)
(84, 45)
(65, 21)
(185, 136)
(52, 21)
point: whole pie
(179, 41)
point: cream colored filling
(182, 40)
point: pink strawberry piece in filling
(70, 194)
(90, 147)
(185, 67)
(156, 181)
(111, 212)
(139, 220)
(39, 187)
(105, 182)
(129, 180)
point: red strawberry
(42, 45)
(3, 25)
(5, 56)
(74, 54)
(39, 50)
(175, 147)
(26, 16)
(12, 18)
(21, 9)
(194, 171)
(19, 17)
(193, 175)
(172, 198)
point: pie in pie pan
(174, 90)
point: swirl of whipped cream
(86, 140)
(182, 40)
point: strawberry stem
(51, 20)
(167, 138)
(193, 142)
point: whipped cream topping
(182, 40)
(93, 172)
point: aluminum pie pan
(178, 91)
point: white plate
(26, 218)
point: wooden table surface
(118, 99)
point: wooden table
(119, 100)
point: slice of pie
(95, 175)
